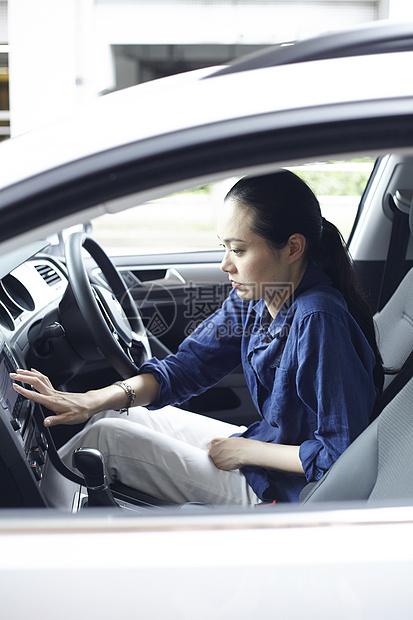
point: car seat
(394, 325)
(378, 465)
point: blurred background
(57, 56)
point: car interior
(86, 320)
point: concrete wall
(64, 53)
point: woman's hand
(228, 453)
(70, 408)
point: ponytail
(332, 256)
(334, 259)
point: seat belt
(394, 267)
(402, 377)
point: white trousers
(163, 453)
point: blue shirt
(309, 372)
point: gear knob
(91, 465)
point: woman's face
(255, 270)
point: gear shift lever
(91, 465)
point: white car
(344, 550)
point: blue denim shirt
(309, 371)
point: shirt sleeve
(335, 383)
(211, 352)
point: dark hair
(283, 204)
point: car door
(380, 243)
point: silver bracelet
(130, 392)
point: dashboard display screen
(7, 392)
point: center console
(23, 444)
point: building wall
(4, 73)
(64, 53)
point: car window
(339, 186)
(186, 221)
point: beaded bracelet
(130, 392)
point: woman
(304, 336)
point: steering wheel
(107, 323)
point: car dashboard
(31, 288)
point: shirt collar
(312, 277)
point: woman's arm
(75, 408)
(212, 351)
(236, 452)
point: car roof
(173, 105)
(375, 38)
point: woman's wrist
(139, 390)
(129, 392)
(110, 397)
(251, 452)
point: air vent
(14, 300)
(48, 273)
(6, 319)
(18, 295)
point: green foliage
(336, 182)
